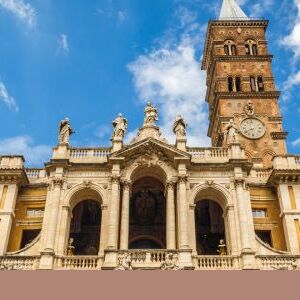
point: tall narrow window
(230, 84)
(254, 49)
(247, 49)
(226, 49)
(238, 84)
(260, 83)
(233, 50)
(252, 84)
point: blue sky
(90, 60)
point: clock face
(252, 128)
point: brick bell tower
(240, 85)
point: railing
(78, 262)
(261, 173)
(209, 153)
(35, 173)
(288, 162)
(19, 262)
(215, 262)
(280, 262)
(89, 153)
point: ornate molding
(115, 179)
(182, 179)
(126, 184)
(57, 182)
(279, 135)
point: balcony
(209, 155)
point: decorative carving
(209, 182)
(182, 178)
(231, 133)
(124, 262)
(249, 108)
(170, 264)
(179, 127)
(70, 248)
(65, 131)
(115, 179)
(87, 183)
(120, 126)
(57, 182)
(170, 184)
(151, 114)
(222, 250)
(126, 184)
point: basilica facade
(150, 204)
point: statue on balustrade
(120, 126)
(222, 250)
(124, 262)
(231, 133)
(70, 248)
(170, 264)
(65, 131)
(179, 127)
(151, 114)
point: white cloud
(121, 15)
(260, 8)
(35, 155)
(63, 45)
(170, 76)
(296, 142)
(7, 99)
(24, 11)
(293, 39)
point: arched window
(238, 84)
(230, 84)
(230, 48)
(257, 84)
(251, 48)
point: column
(124, 233)
(8, 198)
(289, 215)
(182, 213)
(64, 230)
(50, 223)
(171, 240)
(113, 226)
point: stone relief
(231, 133)
(151, 114)
(171, 263)
(65, 131)
(249, 108)
(124, 262)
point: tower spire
(231, 11)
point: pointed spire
(231, 11)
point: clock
(252, 128)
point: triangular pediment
(150, 147)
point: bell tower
(241, 86)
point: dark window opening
(233, 50)
(252, 83)
(230, 84)
(226, 49)
(265, 236)
(260, 84)
(247, 49)
(254, 50)
(28, 236)
(238, 84)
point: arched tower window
(234, 84)
(230, 48)
(230, 84)
(251, 48)
(257, 84)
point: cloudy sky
(90, 60)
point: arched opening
(85, 228)
(210, 228)
(147, 215)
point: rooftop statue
(120, 126)
(151, 114)
(65, 131)
(179, 127)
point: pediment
(150, 148)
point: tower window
(260, 83)
(238, 84)
(230, 84)
(251, 48)
(230, 48)
(234, 84)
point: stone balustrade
(280, 262)
(25, 263)
(209, 154)
(288, 162)
(35, 173)
(11, 162)
(89, 155)
(216, 262)
(78, 263)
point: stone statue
(65, 131)
(179, 127)
(151, 114)
(231, 133)
(170, 264)
(120, 126)
(70, 248)
(249, 109)
(124, 262)
(222, 248)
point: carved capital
(182, 179)
(115, 179)
(126, 184)
(57, 182)
(240, 182)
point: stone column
(171, 239)
(183, 213)
(246, 224)
(232, 238)
(124, 232)
(64, 230)
(50, 223)
(289, 215)
(8, 197)
(113, 226)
